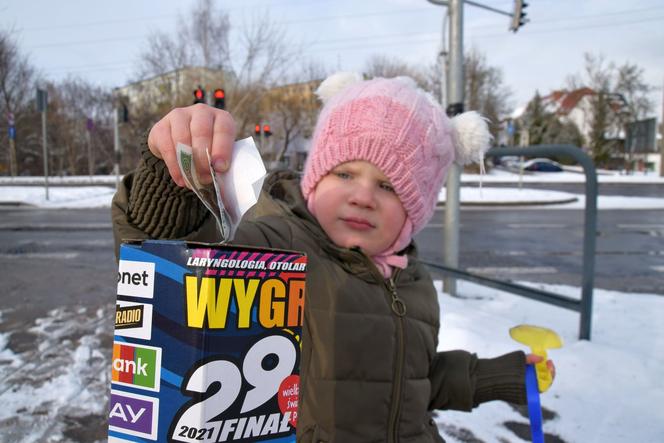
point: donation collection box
(207, 343)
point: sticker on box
(136, 279)
(136, 366)
(133, 320)
(133, 414)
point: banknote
(208, 194)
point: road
(545, 245)
(58, 273)
(626, 189)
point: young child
(370, 371)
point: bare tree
(80, 127)
(620, 96)
(17, 77)
(382, 66)
(485, 90)
(293, 108)
(258, 58)
(199, 40)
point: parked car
(542, 165)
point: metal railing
(583, 305)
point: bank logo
(133, 414)
(136, 279)
(133, 320)
(136, 366)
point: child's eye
(342, 175)
(387, 187)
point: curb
(16, 204)
(516, 203)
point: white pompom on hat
(399, 128)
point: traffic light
(518, 16)
(124, 113)
(42, 100)
(219, 98)
(266, 130)
(199, 95)
(257, 130)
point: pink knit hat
(397, 127)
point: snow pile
(606, 390)
(59, 197)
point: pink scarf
(387, 259)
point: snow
(606, 390)
(59, 197)
(67, 376)
(570, 175)
(78, 195)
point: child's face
(357, 206)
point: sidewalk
(476, 196)
(100, 193)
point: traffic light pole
(11, 124)
(45, 146)
(661, 148)
(116, 146)
(455, 98)
(455, 106)
(91, 160)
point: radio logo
(133, 414)
(136, 366)
(133, 320)
(128, 317)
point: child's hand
(201, 127)
(532, 359)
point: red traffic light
(257, 130)
(199, 95)
(219, 100)
(266, 130)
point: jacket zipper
(399, 309)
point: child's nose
(363, 195)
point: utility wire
(383, 37)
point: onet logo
(136, 366)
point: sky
(102, 41)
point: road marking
(635, 226)
(510, 253)
(96, 242)
(56, 227)
(537, 226)
(657, 268)
(514, 270)
(41, 255)
(438, 225)
(515, 225)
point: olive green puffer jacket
(370, 371)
